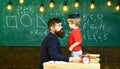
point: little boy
(75, 39)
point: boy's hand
(70, 49)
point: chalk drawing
(56, 14)
(100, 16)
(102, 26)
(84, 26)
(35, 32)
(11, 21)
(84, 37)
(94, 38)
(84, 17)
(25, 20)
(96, 31)
(91, 17)
(92, 25)
(64, 21)
(88, 21)
(89, 37)
(24, 10)
(44, 24)
(100, 39)
(94, 20)
(40, 32)
(22, 19)
(105, 36)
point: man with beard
(51, 49)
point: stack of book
(94, 58)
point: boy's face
(71, 25)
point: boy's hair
(52, 22)
(75, 21)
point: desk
(72, 66)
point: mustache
(60, 33)
(61, 29)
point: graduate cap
(74, 16)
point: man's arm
(56, 53)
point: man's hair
(52, 22)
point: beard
(60, 33)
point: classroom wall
(21, 28)
(28, 57)
(25, 25)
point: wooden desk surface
(72, 66)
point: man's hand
(75, 59)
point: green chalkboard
(26, 26)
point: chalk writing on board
(38, 32)
(56, 14)
(25, 10)
(33, 23)
(93, 26)
(64, 21)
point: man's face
(59, 30)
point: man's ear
(52, 28)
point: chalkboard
(26, 26)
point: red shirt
(75, 36)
